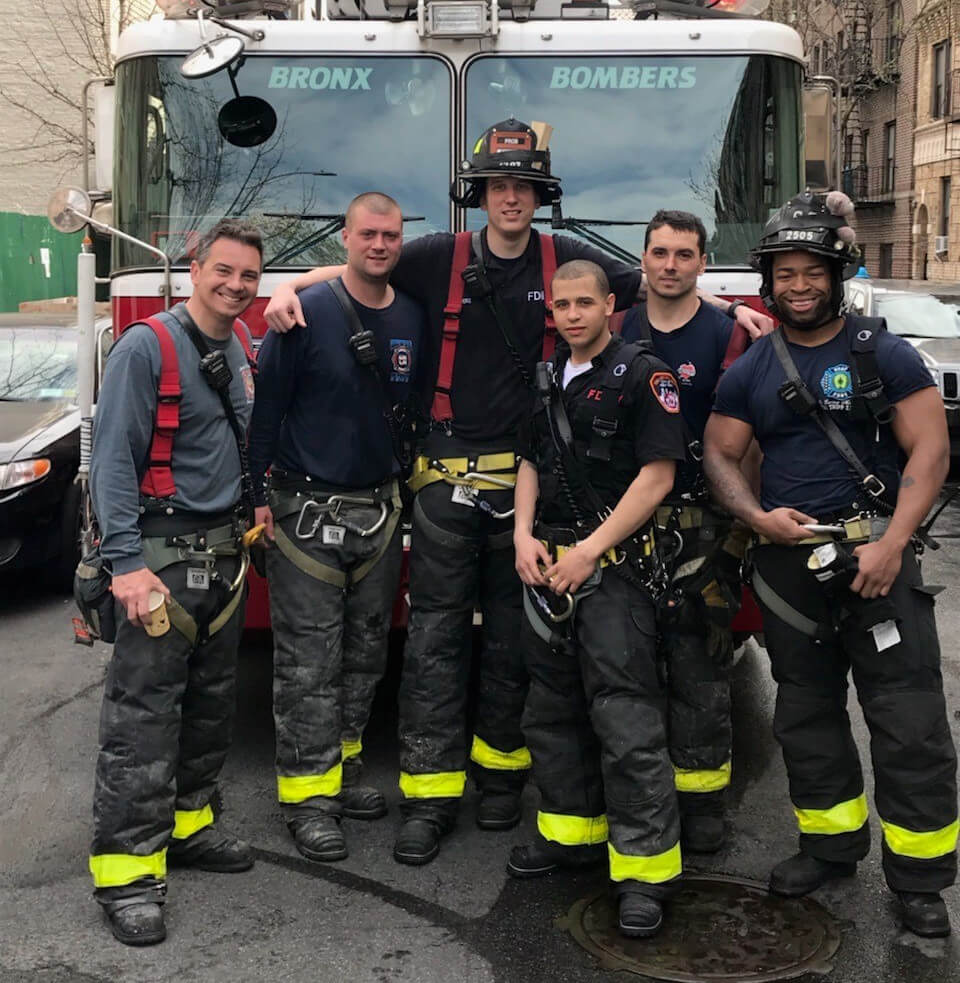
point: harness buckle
(695, 450)
(604, 428)
(872, 485)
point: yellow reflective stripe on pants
(650, 870)
(186, 822)
(921, 846)
(702, 779)
(350, 749)
(292, 789)
(119, 869)
(572, 830)
(490, 757)
(844, 817)
(435, 785)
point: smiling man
(836, 402)
(166, 479)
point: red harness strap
(242, 332)
(158, 480)
(736, 346)
(548, 260)
(442, 408)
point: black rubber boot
(359, 801)
(925, 914)
(543, 857)
(135, 912)
(702, 829)
(418, 842)
(640, 915)
(319, 837)
(210, 849)
(801, 874)
(498, 810)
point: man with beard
(834, 402)
(325, 421)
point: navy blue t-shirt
(318, 411)
(695, 352)
(801, 467)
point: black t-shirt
(649, 429)
(801, 467)
(488, 396)
(318, 411)
(695, 353)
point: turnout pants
(901, 692)
(461, 557)
(165, 727)
(330, 647)
(594, 723)
(696, 646)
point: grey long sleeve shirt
(206, 463)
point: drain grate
(716, 928)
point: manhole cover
(716, 928)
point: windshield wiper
(334, 223)
(584, 227)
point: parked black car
(39, 443)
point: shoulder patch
(665, 390)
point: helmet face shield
(506, 149)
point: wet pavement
(459, 918)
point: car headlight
(18, 473)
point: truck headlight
(18, 473)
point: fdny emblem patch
(249, 390)
(836, 382)
(401, 359)
(686, 372)
(665, 389)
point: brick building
(936, 161)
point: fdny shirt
(801, 468)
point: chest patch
(686, 373)
(665, 391)
(837, 383)
(249, 390)
(401, 359)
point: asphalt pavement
(459, 918)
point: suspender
(462, 248)
(158, 480)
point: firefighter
(597, 459)
(333, 516)
(697, 342)
(834, 402)
(166, 478)
(484, 294)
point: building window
(816, 60)
(940, 90)
(889, 157)
(886, 260)
(944, 206)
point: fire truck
(280, 114)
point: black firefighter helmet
(815, 223)
(506, 149)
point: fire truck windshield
(717, 136)
(301, 135)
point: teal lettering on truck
(628, 77)
(346, 78)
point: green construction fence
(36, 261)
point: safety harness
(204, 547)
(462, 273)
(484, 472)
(158, 480)
(315, 507)
(870, 406)
(636, 559)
